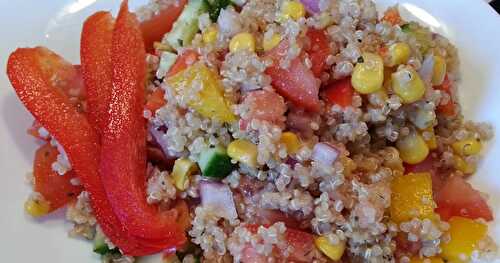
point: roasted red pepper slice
(53, 109)
(123, 156)
(95, 53)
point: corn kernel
(291, 141)
(210, 35)
(183, 169)
(463, 166)
(293, 9)
(431, 140)
(243, 151)
(465, 235)
(412, 148)
(408, 85)
(439, 70)
(426, 260)
(334, 252)
(368, 74)
(399, 53)
(242, 41)
(37, 208)
(271, 42)
(467, 147)
(423, 118)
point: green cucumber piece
(186, 26)
(100, 246)
(215, 163)
(215, 6)
(167, 60)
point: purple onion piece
(312, 6)
(427, 68)
(325, 153)
(218, 197)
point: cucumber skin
(215, 163)
(186, 25)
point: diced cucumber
(100, 246)
(214, 7)
(215, 163)
(186, 25)
(167, 59)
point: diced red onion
(312, 6)
(219, 198)
(325, 153)
(427, 69)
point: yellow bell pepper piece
(465, 235)
(183, 169)
(291, 141)
(408, 85)
(36, 208)
(204, 91)
(334, 252)
(368, 74)
(411, 197)
(426, 260)
(399, 53)
(243, 151)
(467, 147)
(438, 71)
(412, 149)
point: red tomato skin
(184, 60)
(55, 188)
(265, 105)
(449, 109)
(458, 198)
(319, 51)
(339, 93)
(155, 100)
(161, 23)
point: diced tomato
(296, 83)
(428, 165)
(265, 105)
(155, 100)
(458, 198)
(319, 50)
(55, 188)
(339, 93)
(160, 23)
(184, 60)
(269, 217)
(392, 16)
(406, 247)
(449, 109)
(300, 121)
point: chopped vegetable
(412, 148)
(463, 166)
(291, 141)
(210, 35)
(325, 153)
(271, 42)
(215, 6)
(439, 70)
(339, 93)
(215, 163)
(467, 147)
(312, 6)
(186, 26)
(37, 208)
(426, 260)
(167, 60)
(265, 105)
(333, 251)
(465, 235)
(392, 16)
(411, 197)
(449, 109)
(218, 198)
(242, 41)
(319, 50)
(155, 100)
(183, 169)
(408, 85)
(431, 139)
(292, 10)
(458, 198)
(184, 60)
(209, 101)
(399, 53)
(100, 246)
(368, 74)
(243, 151)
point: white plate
(472, 25)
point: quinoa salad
(257, 131)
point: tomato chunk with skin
(265, 105)
(160, 23)
(319, 50)
(95, 53)
(55, 188)
(458, 198)
(295, 83)
(339, 93)
(123, 155)
(449, 109)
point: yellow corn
(242, 41)
(465, 235)
(408, 85)
(293, 9)
(210, 35)
(426, 260)
(463, 166)
(467, 147)
(424, 118)
(399, 53)
(291, 141)
(431, 141)
(334, 252)
(243, 151)
(412, 149)
(271, 42)
(439, 70)
(183, 169)
(368, 74)
(36, 208)
(411, 197)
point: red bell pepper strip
(160, 23)
(26, 69)
(123, 156)
(55, 188)
(95, 53)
